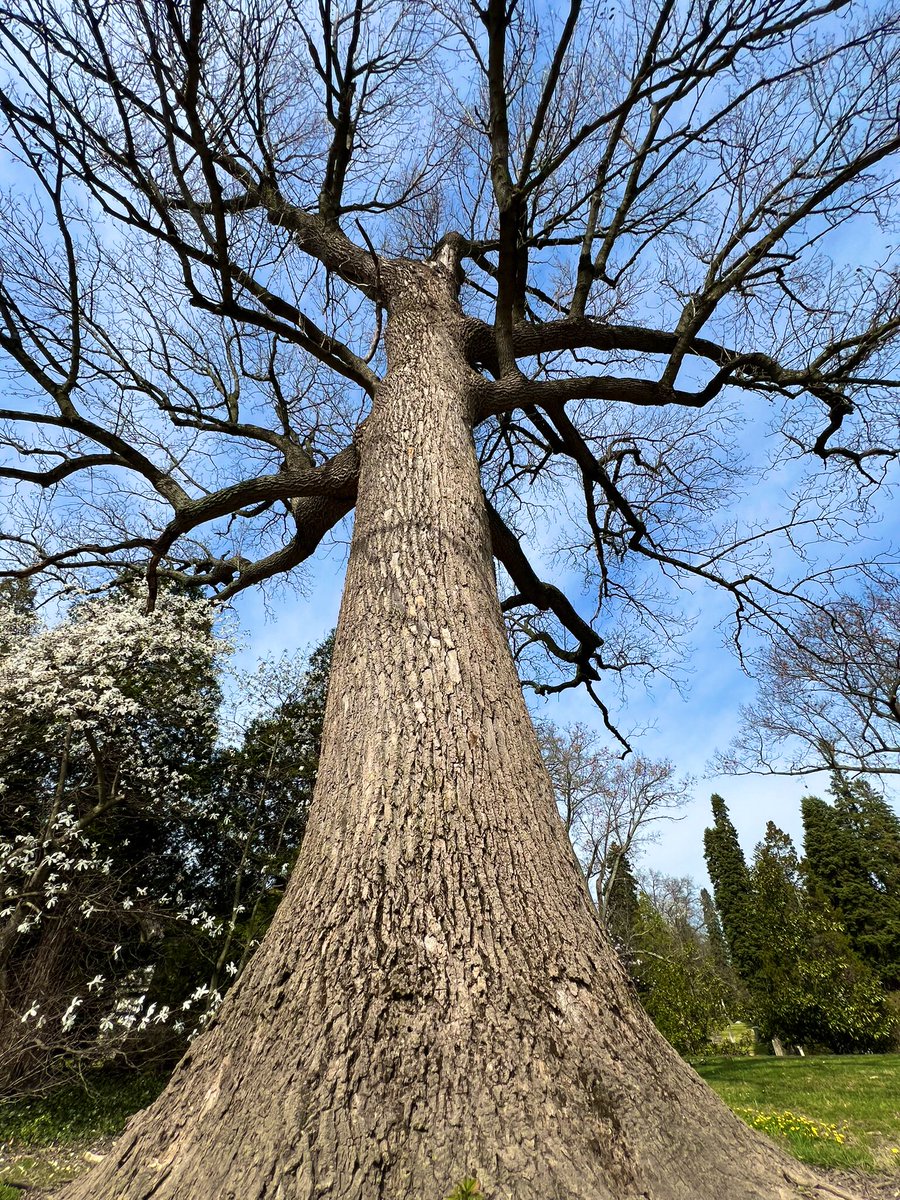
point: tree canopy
(205, 201)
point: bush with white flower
(146, 830)
(107, 724)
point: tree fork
(436, 997)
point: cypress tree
(718, 947)
(622, 910)
(852, 851)
(730, 878)
(809, 986)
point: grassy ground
(839, 1112)
(47, 1140)
(833, 1112)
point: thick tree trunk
(435, 998)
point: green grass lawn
(839, 1112)
(830, 1111)
(45, 1140)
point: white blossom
(88, 679)
(70, 1016)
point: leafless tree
(675, 897)
(449, 267)
(829, 693)
(610, 806)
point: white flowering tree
(109, 720)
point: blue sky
(687, 728)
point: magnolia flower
(70, 1016)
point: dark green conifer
(852, 848)
(622, 909)
(718, 947)
(730, 878)
(809, 988)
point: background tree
(809, 986)
(713, 926)
(621, 914)
(108, 722)
(610, 806)
(426, 262)
(852, 848)
(122, 926)
(829, 691)
(676, 977)
(732, 887)
(734, 993)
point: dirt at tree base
(867, 1187)
(857, 1184)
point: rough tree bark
(436, 997)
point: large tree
(431, 262)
